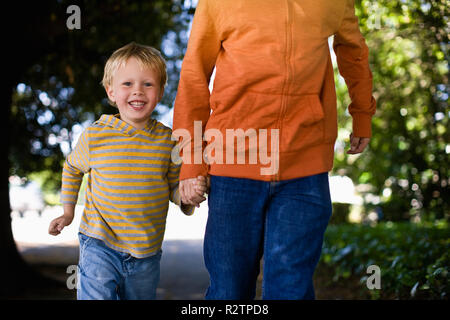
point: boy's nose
(137, 92)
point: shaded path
(183, 274)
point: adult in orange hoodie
(265, 134)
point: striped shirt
(131, 179)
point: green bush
(340, 213)
(414, 259)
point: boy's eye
(148, 84)
(128, 83)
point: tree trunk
(18, 278)
(23, 45)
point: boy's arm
(172, 178)
(353, 62)
(56, 225)
(75, 166)
(192, 100)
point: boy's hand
(357, 144)
(58, 224)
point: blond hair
(145, 55)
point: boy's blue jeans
(107, 274)
(284, 221)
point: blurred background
(390, 203)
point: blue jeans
(284, 221)
(107, 274)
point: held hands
(192, 190)
(357, 144)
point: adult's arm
(192, 100)
(353, 62)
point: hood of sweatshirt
(115, 122)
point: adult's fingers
(201, 189)
(358, 145)
(188, 191)
(354, 142)
(198, 189)
(183, 188)
(194, 197)
(363, 143)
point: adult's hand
(188, 193)
(357, 144)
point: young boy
(131, 179)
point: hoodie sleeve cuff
(188, 171)
(362, 125)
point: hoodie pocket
(303, 123)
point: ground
(183, 274)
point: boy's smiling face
(136, 91)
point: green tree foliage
(407, 162)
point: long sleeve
(172, 178)
(353, 62)
(192, 100)
(75, 166)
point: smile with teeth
(136, 104)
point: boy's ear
(110, 93)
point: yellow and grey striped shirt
(131, 179)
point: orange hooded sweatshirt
(274, 78)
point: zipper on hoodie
(287, 79)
